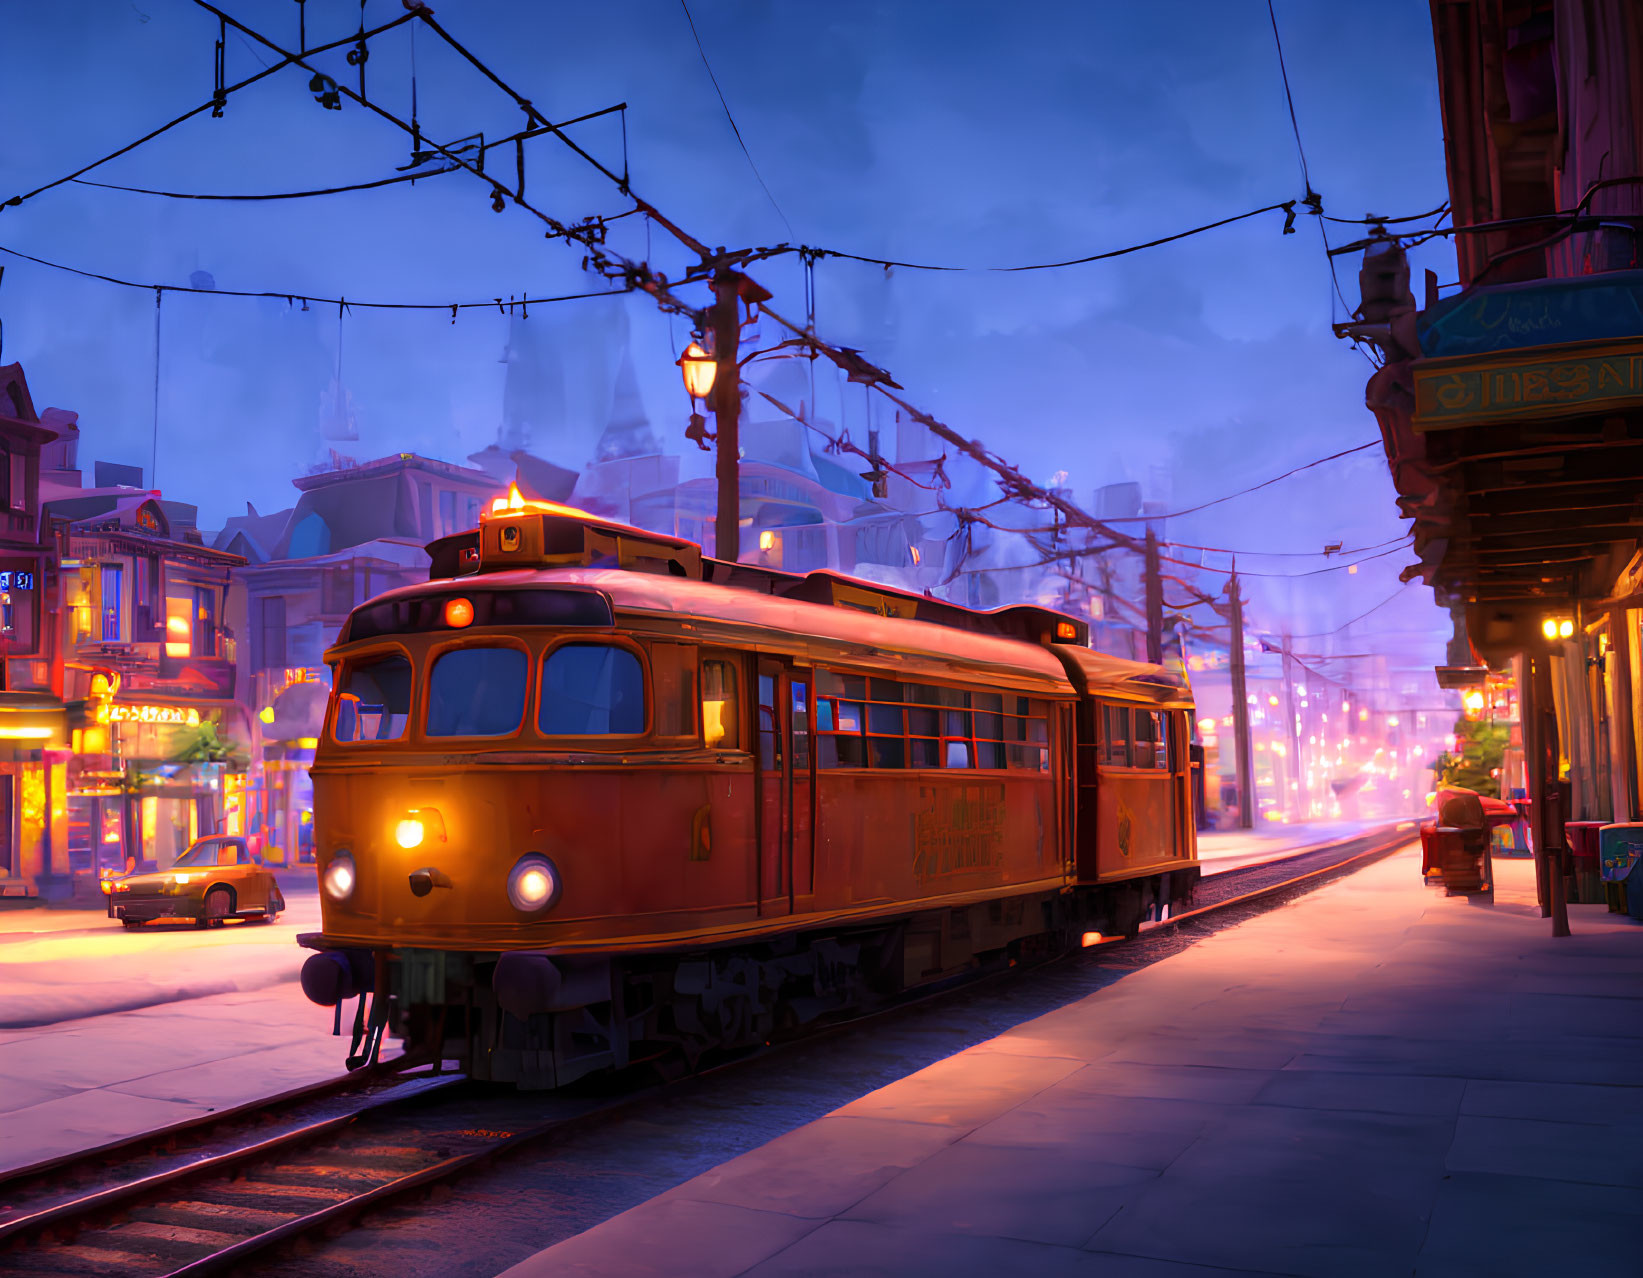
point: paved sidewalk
(64, 965)
(1373, 1080)
(1223, 850)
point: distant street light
(698, 369)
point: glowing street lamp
(698, 369)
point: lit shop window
(179, 626)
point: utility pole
(1155, 603)
(1297, 806)
(1240, 709)
(724, 319)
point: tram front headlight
(339, 877)
(409, 833)
(533, 883)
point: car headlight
(181, 879)
(339, 877)
(533, 883)
(108, 886)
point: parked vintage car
(216, 879)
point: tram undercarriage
(541, 1022)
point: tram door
(786, 845)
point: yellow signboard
(1528, 384)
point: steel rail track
(174, 1139)
(132, 1231)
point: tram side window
(1151, 748)
(592, 690)
(889, 723)
(374, 700)
(770, 726)
(477, 692)
(721, 709)
(1115, 736)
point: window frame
(736, 663)
(944, 706)
(425, 686)
(113, 570)
(601, 640)
(412, 712)
(1167, 718)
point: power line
(1242, 492)
(1286, 206)
(1313, 200)
(1286, 554)
(1372, 220)
(523, 135)
(739, 140)
(208, 104)
(1314, 572)
(1324, 634)
(524, 300)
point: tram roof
(732, 614)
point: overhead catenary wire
(1288, 554)
(1244, 492)
(248, 196)
(740, 141)
(1324, 634)
(814, 253)
(207, 105)
(284, 295)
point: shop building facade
(34, 734)
(149, 669)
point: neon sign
(16, 581)
(176, 715)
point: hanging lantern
(698, 369)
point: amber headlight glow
(408, 833)
(339, 877)
(533, 883)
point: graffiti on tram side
(959, 831)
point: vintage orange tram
(588, 797)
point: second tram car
(587, 797)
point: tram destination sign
(1535, 382)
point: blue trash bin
(1620, 853)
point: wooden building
(1512, 410)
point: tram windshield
(375, 700)
(592, 689)
(477, 692)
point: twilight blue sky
(954, 132)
